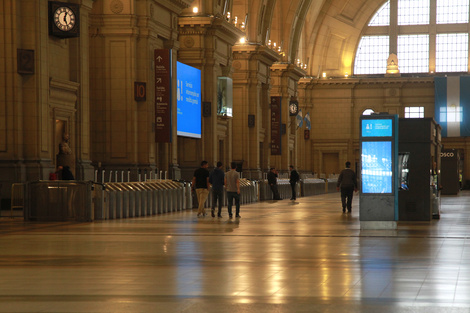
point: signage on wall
(276, 125)
(140, 91)
(162, 58)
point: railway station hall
(255, 156)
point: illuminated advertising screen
(377, 128)
(377, 169)
(188, 101)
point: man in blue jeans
(232, 183)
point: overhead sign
(162, 58)
(276, 125)
(377, 128)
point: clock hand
(65, 18)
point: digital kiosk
(378, 203)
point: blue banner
(452, 105)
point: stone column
(251, 121)
(285, 77)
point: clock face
(293, 108)
(64, 18)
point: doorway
(331, 163)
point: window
(452, 53)
(414, 53)
(372, 55)
(451, 114)
(413, 12)
(382, 17)
(452, 11)
(423, 43)
(414, 112)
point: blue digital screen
(188, 101)
(377, 128)
(377, 173)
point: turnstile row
(306, 187)
(133, 199)
(248, 194)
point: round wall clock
(64, 19)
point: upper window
(413, 12)
(452, 11)
(374, 51)
(382, 17)
(414, 112)
(452, 53)
(413, 34)
(413, 52)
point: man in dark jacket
(347, 181)
(293, 179)
(272, 181)
(217, 178)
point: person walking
(347, 182)
(232, 183)
(272, 181)
(293, 179)
(217, 180)
(201, 185)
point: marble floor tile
(282, 256)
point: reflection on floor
(281, 256)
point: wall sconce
(346, 75)
(323, 75)
(195, 10)
(243, 40)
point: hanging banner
(162, 58)
(452, 105)
(276, 125)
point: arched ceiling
(322, 33)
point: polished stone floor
(283, 256)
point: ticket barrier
(176, 197)
(125, 199)
(150, 199)
(312, 186)
(188, 198)
(168, 196)
(157, 197)
(119, 202)
(141, 199)
(283, 186)
(111, 202)
(132, 199)
(331, 185)
(59, 201)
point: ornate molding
(63, 93)
(396, 81)
(200, 25)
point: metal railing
(59, 200)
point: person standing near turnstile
(201, 184)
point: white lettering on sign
(447, 154)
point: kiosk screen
(376, 175)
